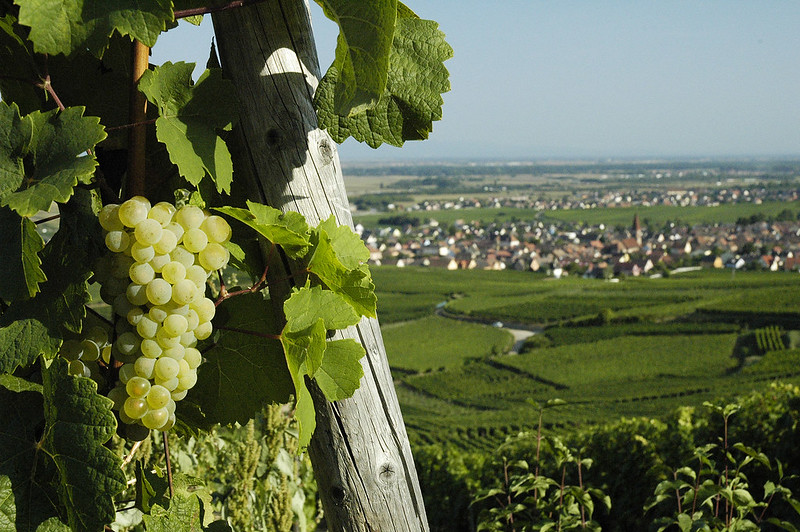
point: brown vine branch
(48, 219)
(169, 465)
(137, 113)
(223, 292)
(48, 86)
(183, 13)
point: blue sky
(565, 79)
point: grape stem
(223, 291)
(128, 458)
(48, 219)
(183, 13)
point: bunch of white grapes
(84, 353)
(155, 281)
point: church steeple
(637, 229)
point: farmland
(634, 348)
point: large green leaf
(190, 118)
(348, 246)
(412, 99)
(242, 371)
(20, 244)
(340, 373)
(362, 51)
(15, 140)
(36, 326)
(288, 230)
(63, 27)
(354, 284)
(78, 423)
(55, 160)
(53, 462)
(307, 305)
(19, 67)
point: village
(559, 248)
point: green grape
(167, 242)
(125, 418)
(71, 350)
(188, 339)
(177, 352)
(170, 406)
(137, 294)
(159, 291)
(117, 241)
(187, 380)
(134, 431)
(166, 368)
(141, 273)
(176, 229)
(158, 397)
(203, 330)
(109, 218)
(184, 292)
(102, 268)
(135, 407)
(192, 320)
(192, 357)
(137, 386)
(134, 316)
(117, 285)
(195, 240)
(190, 216)
(165, 340)
(148, 232)
(214, 257)
(169, 424)
(155, 419)
(118, 395)
(179, 395)
(150, 348)
(98, 335)
(162, 212)
(133, 211)
(174, 308)
(159, 313)
(91, 351)
(173, 272)
(121, 265)
(205, 309)
(217, 229)
(126, 373)
(78, 369)
(182, 255)
(144, 367)
(147, 328)
(169, 384)
(121, 305)
(142, 252)
(175, 325)
(128, 343)
(105, 354)
(159, 261)
(198, 275)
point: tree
(302, 341)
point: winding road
(520, 331)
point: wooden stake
(136, 182)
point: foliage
(65, 82)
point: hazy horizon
(578, 80)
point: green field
(610, 216)
(669, 342)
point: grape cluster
(83, 353)
(155, 280)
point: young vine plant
(181, 347)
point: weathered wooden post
(360, 451)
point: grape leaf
(243, 371)
(288, 230)
(56, 158)
(19, 66)
(348, 246)
(185, 514)
(340, 373)
(52, 459)
(66, 27)
(307, 305)
(355, 285)
(189, 118)
(18, 384)
(36, 326)
(412, 99)
(15, 138)
(20, 244)
(78, 423)
(362, 51)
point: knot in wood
(338, 494)
(387, 473)
(325, 150)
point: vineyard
(665, 343)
